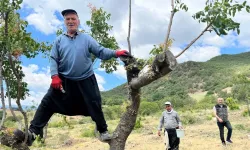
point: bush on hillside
(138, 123)
(245, 113)
(112, 112)
(148, 108)
(189, 118)
(206, 103)
(232, 103)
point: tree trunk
(2, 97)
(163, 64)
(10, 106)
(8, 140)
(248, 108)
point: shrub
(209, 117)
(239, 127)
(112, 112)
(245, 113)
(148, 108)
(138, 123)
(232, 103)
(189, 119)
(89, 132)
(10, 124)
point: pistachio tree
(15, 42)
(218, 15)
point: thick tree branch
(162, 65)
(192, 42)
(129, 28)
(169, 26)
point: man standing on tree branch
(171, 121)
(221, 114)
(74, 89)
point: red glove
(119, 53)
(56, 82)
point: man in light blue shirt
(74, 89)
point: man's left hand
(119, 53)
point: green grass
(198, 95)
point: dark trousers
(221, 128)
(174, 141)
(81, 98)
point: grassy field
(203, 134)
(198, 95)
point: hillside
(190, 77)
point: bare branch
(129, 28)
(169, 25)
(194, 40)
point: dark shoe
(224, 144)
(105, 136)
(229, 141)
(20, 136)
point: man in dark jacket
(74, 89)
(221, 114)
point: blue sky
(149, 26)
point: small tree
(243, 82)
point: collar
(66, 33)
(169, 111)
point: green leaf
(244, 3)
(238, 31)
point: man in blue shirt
(74, 89)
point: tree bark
(2, 97)
(162, 65)
(169, 26)
(8, 140)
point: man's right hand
(220, 120)
(159, 133)
(56, 82)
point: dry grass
(200, 136)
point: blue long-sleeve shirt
(71, 57)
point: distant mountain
(25, 107)
(189, 77)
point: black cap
(68, 11)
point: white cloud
(100, 81)
(142, 51)
(36, 78)
(149, 20)
(34, 98)
(197, 53)
(47, 27)
(120, 72)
